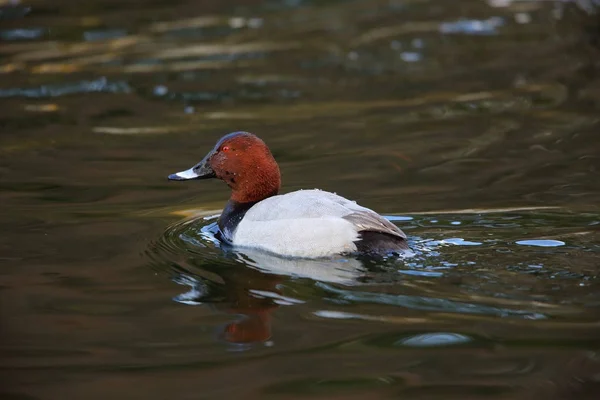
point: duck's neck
(231, 216)
(255, 182)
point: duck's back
(315, 223)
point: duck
(307, 223)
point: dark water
(472, 124)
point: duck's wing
(312, 223)
(367, 220)
(316, 203)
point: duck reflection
(250, 286)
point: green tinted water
(470, 124)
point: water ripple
(22, 34)
(541, 242)
(473, 26)
(434, 339)
(427, 303)
(99, 85)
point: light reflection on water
(342, 281)
(472, 123)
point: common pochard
(304, 223)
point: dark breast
(230, 218)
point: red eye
(225, 148)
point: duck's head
(244, 162)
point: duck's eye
(225, 148)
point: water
(472, 125)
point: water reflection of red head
(252, 328)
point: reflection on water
(463, 295)
(472, 124)
(345, 281)
(99, 85)
(252, 287)
(434, 339)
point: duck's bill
(199, 171)
(184, 175)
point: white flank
(305, 223)
(306, 237)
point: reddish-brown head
(244, 162)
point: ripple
(460, 242)
(197, 290)
(428, 274)
(428, 303)
(95, 35)
(198, 237)
(411, 56)
(473, 26)
(22, 34)
(277, 298)
(435, 339)
(341, 270)
(15, 11)
(99, 85)
(541, 243)
(501, 289)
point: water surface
(472, 125)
